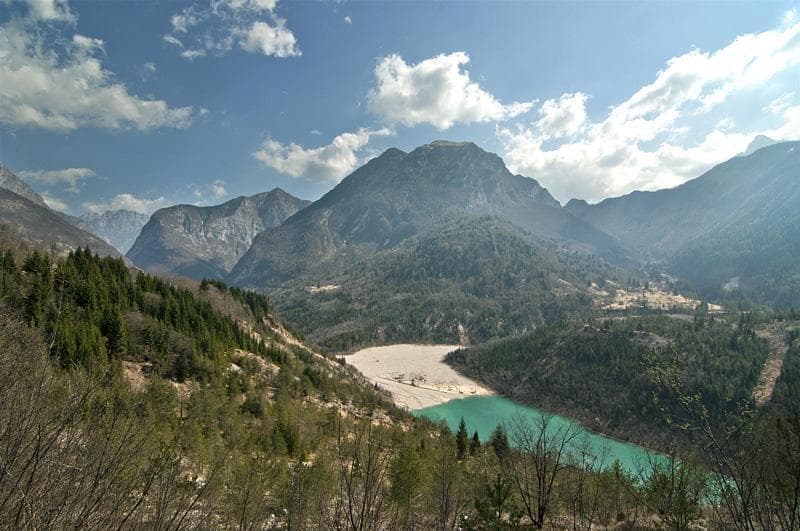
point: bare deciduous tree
(540, 456)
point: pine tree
(462, 440)
(475, 443)
(499, 441)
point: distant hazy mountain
(202, 242)
(11, 182)
(758, 142)
(118, 227)
(439, 244)
(734, 228)
(44, 228)
(398, 195)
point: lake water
(486, 412)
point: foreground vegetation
(228, 423)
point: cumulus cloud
(54, 202)
(47, 10)
(565, 116)
(63, 87)
(435, 91)
(687, 120)
(348, 20)
(71, 178)
(267, 39)
(331, 162)
(266, 6)
(127, 202)
(252, 25)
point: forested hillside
(474, 280)
(610, 373)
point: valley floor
(416, 375)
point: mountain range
(444, 243)
(119, 227)
(43, 228)
(206, 242)
(441, 244)
(736, 228)
(399, 195)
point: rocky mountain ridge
(200, 242)
(119, 227)
(398, 195)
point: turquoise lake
(484, 413)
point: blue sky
(143, 104)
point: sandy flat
(415, 374)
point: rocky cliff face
(206, 242)
(11, 182)
(120, 228)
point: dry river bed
(415, 374)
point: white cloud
(208, 194)
(435, 91)
(192, 54)
(565, 116)
(150, 67)
(789, 128)
(691, 117)
(780, 104)
(244, 5)
(54, 202)
(218, 189)
(72, 178)
(170, 39)
(56, 89)
(249, 24)
(348, 20)
(326, 163)
(186, 19)
(48, 10)
(127, 202)
(270, 40)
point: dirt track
(762, 393)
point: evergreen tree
(499, 441)
(462, 440)
(474, 443)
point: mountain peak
(760, 141)
(398, 196)
(450, 143)
(577, 206)
(207, 241)
(118, 227)
(11, 182)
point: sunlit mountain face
(399, 265)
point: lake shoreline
(416, 375)
(418, 379)
(483, 414)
